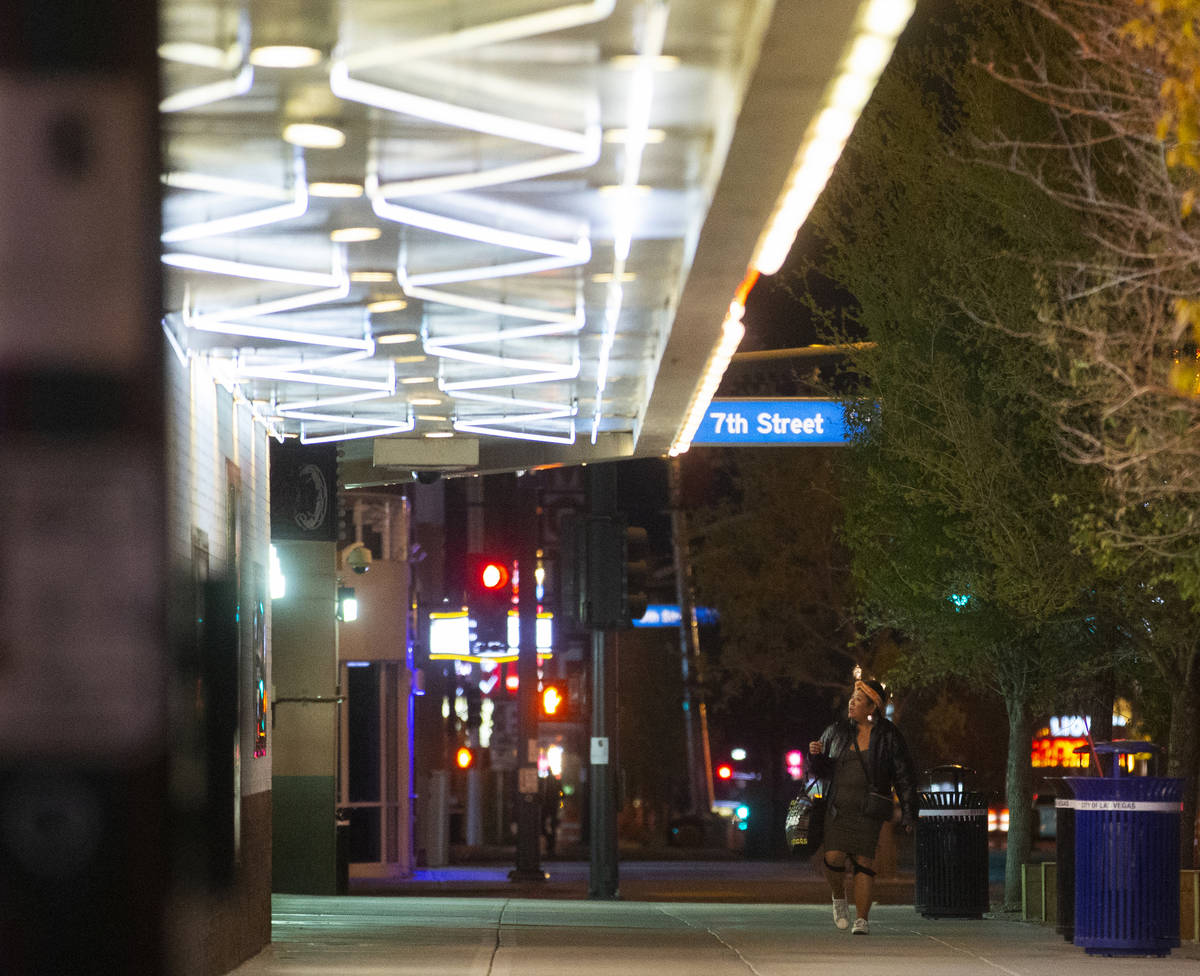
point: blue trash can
(1127, 859)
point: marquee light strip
(732, 332)
(879, 25)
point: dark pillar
(83, 700)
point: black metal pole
(602, 805)
(528, 807)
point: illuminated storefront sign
(1063, 742)
(451, 638)
(1060, 752)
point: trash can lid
(1126, 746)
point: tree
(767, 559)
(960, 507)
(1121, 319)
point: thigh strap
(859, 869)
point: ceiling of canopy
(464, 236)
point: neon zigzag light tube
(448, 113)
(500, 309)
(297, 207)
(495, 32)
(541, 413)
(224, 322)
(237, 56)
(641, 95)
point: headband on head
(870, 692)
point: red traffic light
(492, 575)
(724, 771)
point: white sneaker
(841, 913)
(861, 927)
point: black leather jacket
(889, 764)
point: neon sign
(1059, 751)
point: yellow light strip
(731, 335)
(878, 28)
(879, 25)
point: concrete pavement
(515, 936)
(737, 880)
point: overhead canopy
(514, 236)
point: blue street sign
(732, 421)
(669, 615)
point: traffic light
(612, 573)
(637, 574)
(554, 702)
(464, 758)
(489, 597)
(724, 771)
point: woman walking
(863, 759)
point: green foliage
(956, 484)
(767, 559)
(954, 481)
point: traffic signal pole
(528, 806)
(602, 794)
(602, 874)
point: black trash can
(1127, 859)
(1064, 856)
(951, 847)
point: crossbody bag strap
(866, 772)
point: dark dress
(846, 829)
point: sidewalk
(513, 936)
(724, 880)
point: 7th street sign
(733, 421)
